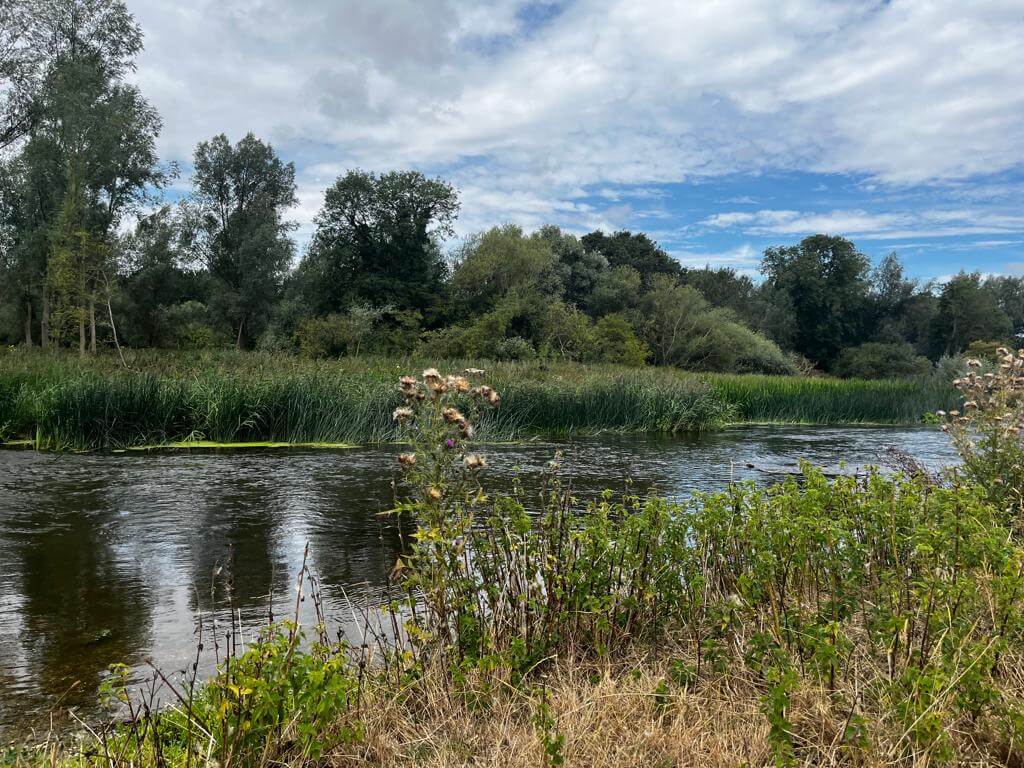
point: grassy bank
(61, 402)
(862, 622)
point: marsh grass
(62, 402)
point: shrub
(615, 341)
(880, 360)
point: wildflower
(407, 459)
(474, 371)
(431, 374)
(449, 443)
(461, 384)
(474, 461)
(452, 415)
(970, 405)
(434, 494)
(974, 362)
(403, 413)
(465, 428)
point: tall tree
(968, 310)
(626, 249)
(237, 209)
(86, 118)
(377, 241)
(35, 34)
(824, 282)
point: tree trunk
(92, 325)
(44, 322)
(81, 333)
(241, 328)
(113, 331)
(28, 323)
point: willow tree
(240, 195)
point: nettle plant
(987, 428)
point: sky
(718, 127)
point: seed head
(407, 459)
(474, 461)
(403, 413)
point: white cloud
(744, 259)
(869, 226)
(609, 92)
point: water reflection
(107, 558)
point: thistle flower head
(407, 459)
(474, 461)
(404, 413)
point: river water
(111, 557)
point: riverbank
(61, 402)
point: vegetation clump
(63, 403)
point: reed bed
(61, 402)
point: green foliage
(878, 360)
(377, 241)
(967, 311)
(248, 397)
(683, 330)
(823, 282)
(615, 341)
(236, 219)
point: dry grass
(622, 714)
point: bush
(615, 341)
(879, 360)
(322, 336)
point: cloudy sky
(717, 126)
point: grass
(63, 403)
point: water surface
(111, 557)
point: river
(111, 557)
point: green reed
(66, 403)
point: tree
(35, 34)
(83, 121)
(967, 311)
(824, 282)
(725, 287)
(240, 194)
(377, 240)
(683, 330)
(880, 360)
(579, 269)
(1009, 292)
(625, 249)
(492, 264)
(614, 290)
(154, 279)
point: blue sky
(719, 127)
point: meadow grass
(62, 402)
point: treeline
(91, 256)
